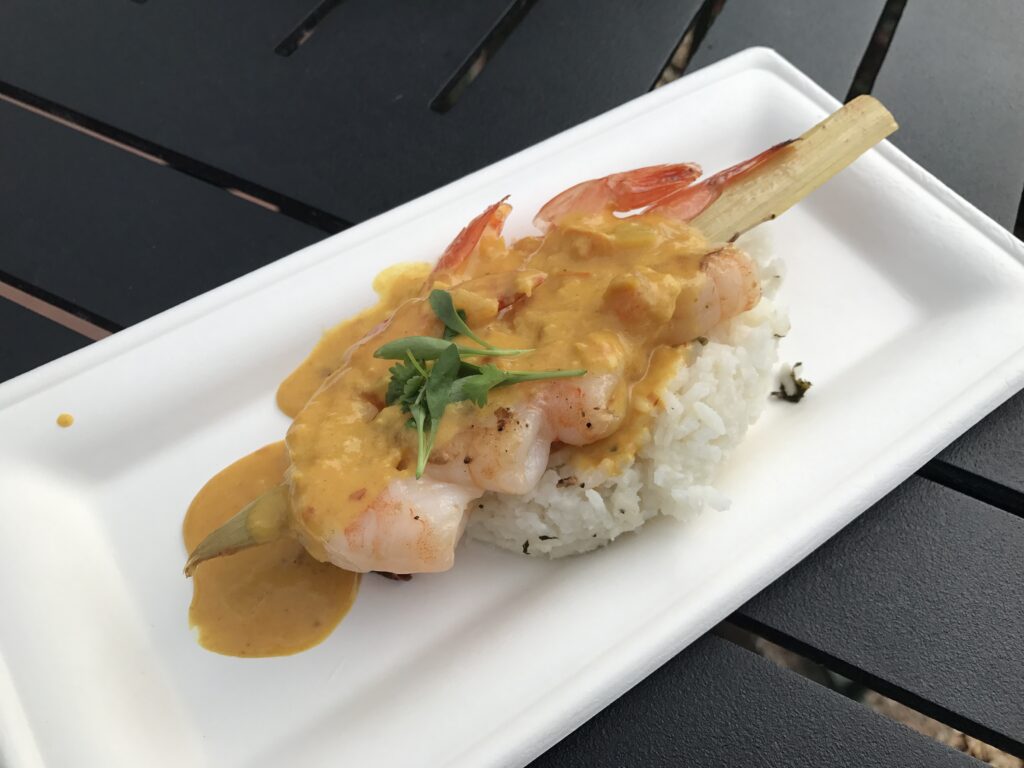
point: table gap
(877, 684)
(878, 46)
(31, 294)
(692, 37)
(52, 312)
(977, 487)
(486, 49)
(305, 29)
(815, 672)
(82, 129)
(253, 193)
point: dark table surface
(150, 151)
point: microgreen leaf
(412, 388)
(419, 416)
(438, 389)
(430, 347)
(449, 334)
(517, 377)
(400, 376)
(476, 387)
(443, 306)
(416, 364)
(442, 377)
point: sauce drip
(271, 600)
(612, 454)
(394, 285)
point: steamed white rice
(708, 407)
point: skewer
(771, 189)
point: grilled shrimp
(412, 527)
(507, 448)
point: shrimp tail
(456, 255)
(689, 202)
(261, 521)
(618, 192)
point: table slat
(718, 704)
(28, 340)
(923, 591)
(825, 40)
(118, 235)
(994, 449)
(952, 77)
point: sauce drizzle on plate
(271, 600)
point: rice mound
(708, 406)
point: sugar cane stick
(769, 189)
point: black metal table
(151, 150)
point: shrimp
(507, 448)
(412, 527)
(725, 285)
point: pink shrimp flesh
(412, 527)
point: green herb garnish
(448, 334)
(423, 389)
(430, 348)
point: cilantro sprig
(432, 374)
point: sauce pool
(271, 600)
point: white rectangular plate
(906, 308)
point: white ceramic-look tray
(907, 310)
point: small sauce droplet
(65, 420)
